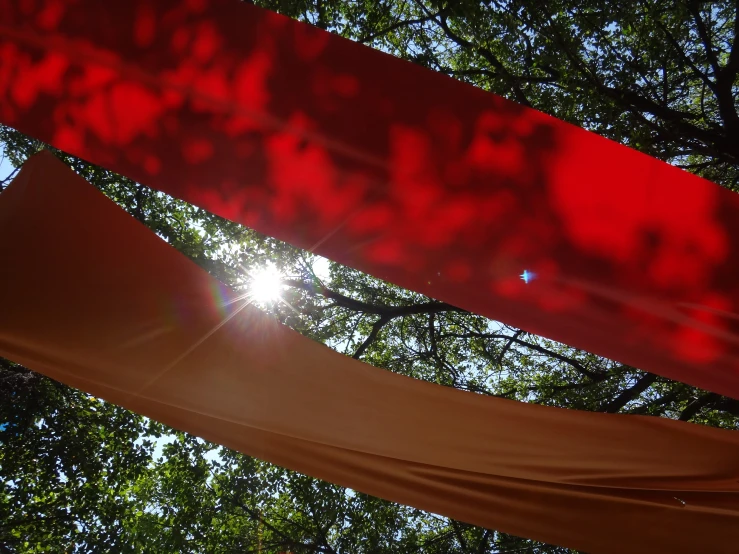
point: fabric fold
(96, 300)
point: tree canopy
(81, 475)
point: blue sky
(5, 167)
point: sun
(265, 285)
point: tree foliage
(81, 475)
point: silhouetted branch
(492, 74)
(697, 405)
(694, 9)
(629, 394)
(396, 26)
(441, 20)
(458, 534)
(507, 347)
(379, 324)
(377, 309)
(5, 182)
(536, 347)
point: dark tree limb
(629, 394)
(483, 546)
(732, 65)
(442, 21)
(493, 75)
(314, 547)
(8, 179)
(376, 309)
(376, 328)
(728, 405)
(694, 9)
(697, 405)
(660, 403)
(595, 376)
(681, 52)
(395, 26)
(458, 533)
(507, 347)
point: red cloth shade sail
(388, 168)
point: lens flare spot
(265, 285)
(527, 276)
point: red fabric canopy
(389, 168)
(96, 300)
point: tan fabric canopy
(94, 299)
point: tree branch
(675, 123)
(8, 179)
(725, 78)
(629, 394)
(491, 74)
(507, 347)
(379, 324)
(314, 547)
(732, 65)
(442, 21)
(694, 9)
(395, 26)
(377, 309)
(483, 546)
(459, 535)
(537, 348)
(660, 403)
(681, 52)
(697, 405)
